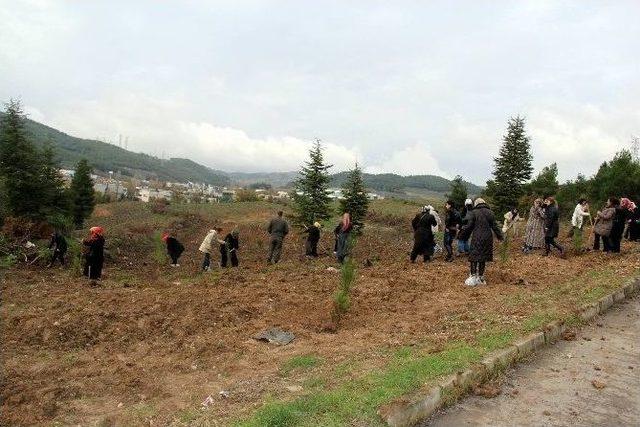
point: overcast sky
(406, 87)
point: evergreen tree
(311, 198)
(619, 177)
(55, 200)
(458, 192)
(512, 166)
(82, 193)
(546, 183)
(355, 199)
(20, 166)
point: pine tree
(82, 193)
(546, 183)
(311, 198)
(512, 166)
(458, 193)
(20, 166)
(355, 199)
(55, 200)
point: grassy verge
(357, 401)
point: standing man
(59, 245)
(451, 225)
(278, 229)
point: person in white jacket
(207, 246)
(577, 220)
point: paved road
(554, 388)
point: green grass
(306, 361)
(360, 399)
(537, 321)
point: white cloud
(412, 160)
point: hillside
(394, 183)
(107, 157)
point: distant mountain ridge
(108, 157)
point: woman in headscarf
(551, 226)
(481, 227)
(94, 253)
(423, 241)
(617, 228)
(534, 231)
(463, 245)
(174, 248)
(342, 232)
(232, 245)
(633, 229)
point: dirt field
(151, 343)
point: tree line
(31, 187)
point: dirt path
(558, 387)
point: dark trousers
(550, 241)
(206, 262)
(614, 243)
(606, 243)
(57, 255)
(174, 257)
(226, 256)
(93, 268)
(311, 248)
(447, 242)
(275, 249)
(419, 250)
(478, 267)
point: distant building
(148, 194)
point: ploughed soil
(151, 343)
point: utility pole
(635, 148)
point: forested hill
(396, 183)
(108, 157)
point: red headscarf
(165, 236)
(96, 231)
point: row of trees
(30, 183)
(311, 191)
(512, 185)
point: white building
(147, 194)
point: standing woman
(534, 231)
(634, 222)
(617, 228)
(551, 226)
(342, 232)
(94, 253)
(423, 241)
(603, 226)
(463, 245)
(481, 228)
(313, 237)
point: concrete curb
(408, 412)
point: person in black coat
(423, 242)
(452, 223)
(617, 229)
(634, 223)
(313, 237)
(551, 226)
(174, 248)
(231, 247)
(480, 228)
(59, 245)
(463, 245)
(94, 253)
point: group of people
(475, 226)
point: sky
(409, 87)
